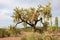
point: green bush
(37, 36)
(56, 38)
(53, 29)
(28, 29)
(32, 36)
(46, 36)
(4, 33)
(9, 32)
(13, 32)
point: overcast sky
(7, 6)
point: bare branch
(38, 21)
(18, 23)
(26, 21)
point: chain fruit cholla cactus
(31, 15)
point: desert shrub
(32, 36)
(4, 33)
(46, 36)
(24, 38)
(52, 29)
(56, 38)
(9, 32)
(37, 36)
(13, 32)
(58, 29)
(28, 29)
(45, 26)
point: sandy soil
(11, 38)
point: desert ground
(15, 38)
